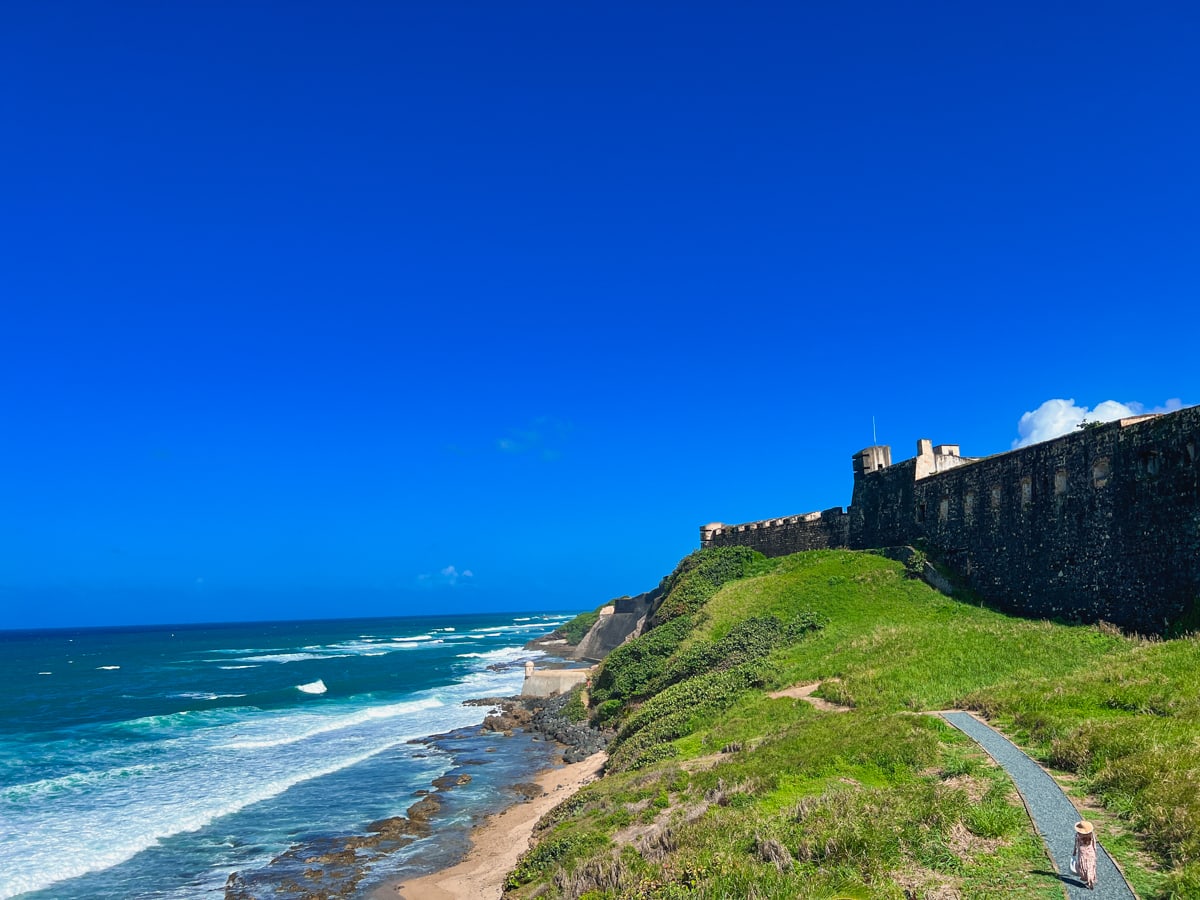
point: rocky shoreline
(545, 716)
(498, 842)
(334, 867)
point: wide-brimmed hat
(1084, 827)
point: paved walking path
(1054, 816)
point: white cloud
(542, 437)
(1058, 417)
(449, 576)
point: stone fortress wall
(779, 537)
(1103, 523)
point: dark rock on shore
(544, 716)
(510, 717)
(333, 867)
(527, 790)
(580, 739)
(425, 809)
(448, 781)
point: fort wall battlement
(779, 537)
(1103, 523)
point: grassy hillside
(717, 790)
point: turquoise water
(143, 762)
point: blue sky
(358, 309)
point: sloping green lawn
(716, 790)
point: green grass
(783, 800)
(893, 641)
(1129, 727)
(642, 667)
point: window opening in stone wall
(944, 509)
(1191, 452)
(921, 512)
(1026, 491)
(1060, 482)
(996, 497)
(969, 506)
(1153, 463)
(1101, 469)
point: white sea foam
(45, 673)
(502, 654)
(358, 648)
(495, 630)
(230, 651)
(73, 782)
(341, 650)
(239, 667)
(484, 684)
(293, 657)
(58, 848)
(312, 727)
(180, 723)
(106, 668)
(313, 687)
(206, 695)
(211, 763)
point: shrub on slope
(698, 576)
(688, 681)
(700, 682)
(678, 711)
(631, 671)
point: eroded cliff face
(614, 628)
(621, 620)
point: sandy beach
(497, 843)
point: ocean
(156, 762)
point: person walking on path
(1054, 815)
(1083, 860)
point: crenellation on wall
(1100, 523)
(778, 537)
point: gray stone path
(1054, 816)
